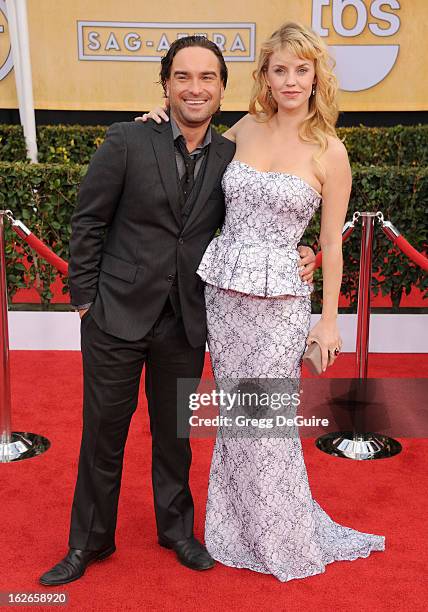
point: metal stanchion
(5, 408)
(14, 446)
(354, 444)
(364, 295)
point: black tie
(188, 179)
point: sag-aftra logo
(123, 41)
(359, 66)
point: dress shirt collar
(176, 133)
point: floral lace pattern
(260, 511)
(266, 216)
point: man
(148, 207)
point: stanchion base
(22, 445)
(364, 446)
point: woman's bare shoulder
(336, 150)
(246, 122)
(335, 157)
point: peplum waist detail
(253, 268)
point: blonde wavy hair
(323, 108)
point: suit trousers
(112, 370)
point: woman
(260, 510)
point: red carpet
(386, 497)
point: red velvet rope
(403, 245)
(318, 260)
(46, 253)
(62, 266)
(411, 252)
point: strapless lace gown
(260, 511)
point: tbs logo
(359, 66)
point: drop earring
(313, 90)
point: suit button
(170, 278)
(180, 241)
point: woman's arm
(336, 191)
(159, 114)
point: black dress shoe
(190, 553)
(74, 565)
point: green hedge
(44, 195)
(395, 146)
(56, 144)
(12, 143)
(402, 196)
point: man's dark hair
(190, 41)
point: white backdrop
(389, 333)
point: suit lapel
(163, 146)
(215, 163)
